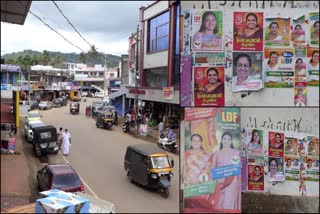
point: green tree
(83, 57)
(35, 59)
(58, 60)
(45, 57)
(93, 51)
(11, 61)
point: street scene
(88, 115)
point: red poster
(255, 177)
(208, 86)
(276, 144)
(248, 31)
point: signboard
(168, 93)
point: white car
(99, 94)
(25, 104)
(28, 128)
(45, 105)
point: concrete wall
(266, 96)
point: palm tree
(45, 57)
(93, 51)
(35, 60)
(83, 57)
(58, 60)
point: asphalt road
(98, 156)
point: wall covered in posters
(261, 27)
(288, 155)
(211, 162)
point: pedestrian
(87, 111)
(60, 133)
(66, 142)
(161, 127)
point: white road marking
(85, 183)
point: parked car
(56, 103)
(25, 103)
(33, 115)
(29, 125)
(45, 105)
(99, 94)
(59, 176)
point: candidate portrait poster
(279, 67)
(185, 80)
(300, 97)
(255, 173)
(314, 28)
(300, 67)
(277, 31)
(212, 158)
(208, 86)
(313, 66)
(312, 169)
(313, 146)
(254, 142)
(291, 146)
(292, 168)
(207, 30)
(248, 31)
(276, 144)
(275, 169)
(247, 71)
(298, 33)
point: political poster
(255, 173)
(208, 86)
(276, 144)
(312, 169)
(279, 67)
(277, 31)
(314, 28)
(185, 31)
(185, 80)
(247, 71)
(298, 33)
(254, 142)
(212, 160)
(313, 66)
(292, 168)
(248, 31)
(275, 170)
(207, 30)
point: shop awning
(15, 12)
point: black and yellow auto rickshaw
(149, 166)
(74, 108)
(105, 119)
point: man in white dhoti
(66, 142)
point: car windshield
(160, 162)
(33, 114)
(66, 180)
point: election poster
(313, 66)
(275, 169)
(300, 67)
(291, 146)
(279, 67)
(276, 144)
(312, 169)
(298, 33)
(208, 86)
(292, 168)
(300, 96)
(254, 142)
(255, 173)
(185, 31)
(208, 58)
(277, 31)
(212, 160)
(248, 31)
(185, 80)
(247, 71)
(313, 146)
(314, 28)
(207, 30)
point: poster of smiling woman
(207, 30)
(212, 160)
(277, 31)
(314, 28)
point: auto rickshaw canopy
(148, 150)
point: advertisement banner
(248, 31)
(254, 141)
(292, 168)
(277, 32)
(298, 33)
(276, 144)
(247, 71)
(185, 80)
(185, 31)
(313, 66)
(279, 66)
(168, 93)
(212, 160)
(276, 172)
(207, 37)
(208, 86)
(314, 28)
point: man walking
(66, 142)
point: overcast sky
(106, 24)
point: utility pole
(136, 83)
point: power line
(71, 23)
(52, 28)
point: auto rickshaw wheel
(164, 192)
(38, 151)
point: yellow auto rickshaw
(105, 119)
(149, 166)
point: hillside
(111, 60)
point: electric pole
(137, 78)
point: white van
(99, 94)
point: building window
(158, 37)
(155, 78)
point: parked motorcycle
(165, 143)
(125, 126)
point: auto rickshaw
(45, 140)
(105, 119)
(149, 166)
(74, 108)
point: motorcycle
(165, 143)
(125, 126)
